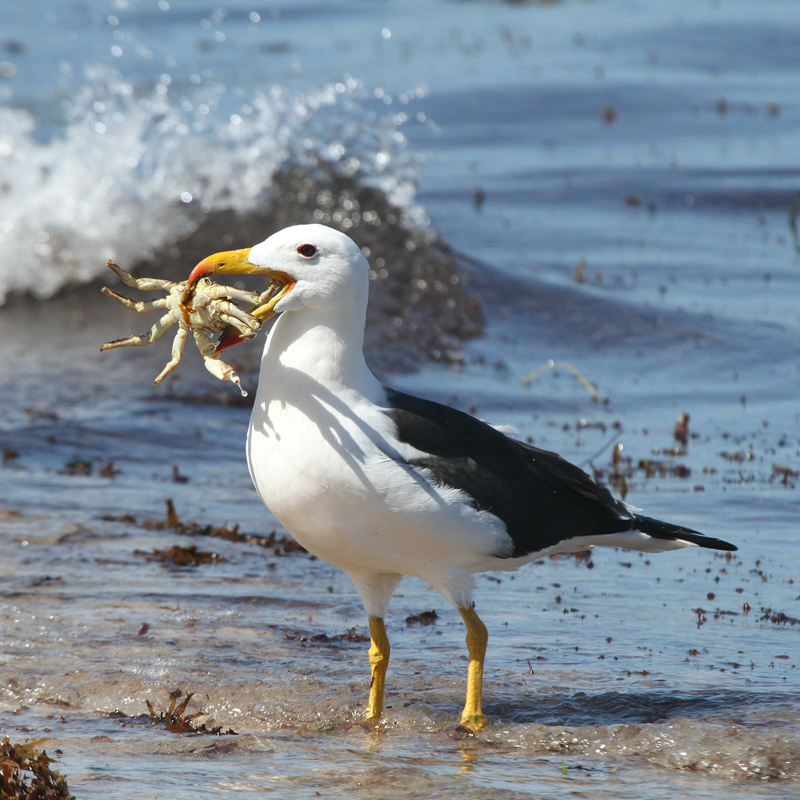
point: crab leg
(232, 293)
(263, 303)
(145, 284)
(219, 298)
(246, 331)
(177, 353)
(233, 315)
(155, 333)
(214, 364)
(134, 305)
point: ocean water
(612, 186)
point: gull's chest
(303, 449)
(315, 461)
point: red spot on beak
(202, 270)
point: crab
(201, 307)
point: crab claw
(228, 338)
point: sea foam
(128, 175)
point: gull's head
(316, 267)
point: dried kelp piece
(178, 556)
(280, 544)
(176, 720)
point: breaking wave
(150, 181)
(129, 176)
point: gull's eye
(307, 250)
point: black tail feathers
(665, 530)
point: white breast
(324, 459)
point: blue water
(617, 180)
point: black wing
(541, 498)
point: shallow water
(625, 676)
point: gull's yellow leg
(379, 661)
(477, 636)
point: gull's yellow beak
(236, 262)
(231, 261)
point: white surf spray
(129, 175)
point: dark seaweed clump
(26, 774)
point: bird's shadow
(326, 411)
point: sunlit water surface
(618, 180)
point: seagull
(383, 484)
